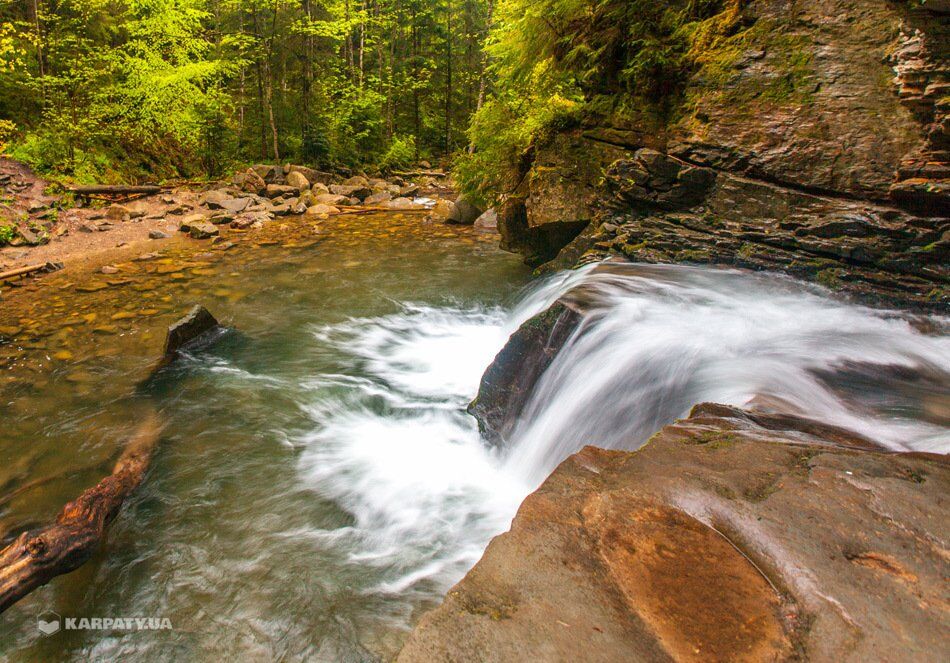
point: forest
(124, 90)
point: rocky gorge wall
(813, 140)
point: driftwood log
(23, 271)
(114, 189)
(37, 556)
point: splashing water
(396, 450)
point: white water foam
(393, 446)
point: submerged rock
(509, 380)
(729, 536)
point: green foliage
(7, 234)
(144, 89)
(554, 61)
(401, 153)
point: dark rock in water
(157, 234)
(727, 537)
(189, 330)
(466, 212)
(516, 369)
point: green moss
(712, 439)
(830, 278)
(747, 250)
(765, 486)
(694, 255)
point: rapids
(323, 485)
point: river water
(319, 484)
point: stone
(399, 204)
(319, 188)
(729, 536)
(322, 210)
(298, 180)
(186, 223)
(329, 199)
(189, 331)
(220, 218)
(378, 198)
(467, 212)
(250, 219)
(357, 181)
(252, 182)
(279, 190)
(425, 165)
(487, 220)
(118, 213)
(235, 205)
(203, 230)
(109, 269)
(445, 211)
(213, 199)
(509, 380)
(409, 190)
(350, 191)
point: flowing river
(319, 483)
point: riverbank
(60, 229)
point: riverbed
(319, 483)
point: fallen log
(23, 271)
(113, 189)
(421, 173)
(37, 556)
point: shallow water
(319, 483)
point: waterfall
(393, 446)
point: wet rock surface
(729, 536)
(508, 381)
(814, 143)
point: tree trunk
(37, 556)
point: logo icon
(48, 622)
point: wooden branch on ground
(37, 556)
(23, 271)
(420, 173)
(114, 189)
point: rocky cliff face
(813, 139)
(730, 536)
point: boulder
(322, 210)
(280, 190)
(319, 188)
(728, 536)
(351, 191)
(509, 380)
(409, 190)
(298, 180)
(252, 182)
(378, 198)
(189, 331)
(250, 220)
(357, 181)
(487, 220)
(213, 199)
(313, 176)
(202, 230)
(157, 234)
(399, 204)
(445, 211)
(234, 205)
(270, 174)
(467, 212)
(187, 222)
(330, 199)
